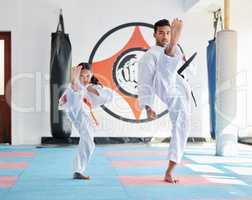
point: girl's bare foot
(80, 176)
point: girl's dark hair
(87, 66)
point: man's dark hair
(162, 22)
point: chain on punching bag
(60, 65)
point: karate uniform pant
(81, 121)
(86, 146)
(175, 93)
(179, 113)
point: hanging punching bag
(60, 65)
(211, 67)
(226, 95)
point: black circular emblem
(125, 71)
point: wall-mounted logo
(125, 71)
(119, 70)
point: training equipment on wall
(226, 94)
(60, 65)
(211, 68)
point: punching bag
(211, 67)
(60, 65)
(226, 95)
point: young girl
(83, 93)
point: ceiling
(202, 5)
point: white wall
(32, 22)
(241, 22)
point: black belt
(183, 67)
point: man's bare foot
(80, 176)
(176, 29)
(170, 179)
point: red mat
(16, 154)
(135, 153)
(7, 181)
(159, 180)
(142, 163)
(13, 165)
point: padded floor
(126, 171)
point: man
(158, 75)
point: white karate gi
(157, 74)
(79, 114)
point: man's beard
(162, 44)
(166, 45)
